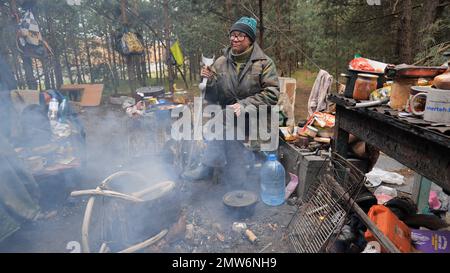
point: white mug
(416, 104)
(437, 107)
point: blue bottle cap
(272, 157)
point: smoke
(114, 142)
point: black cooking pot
(240, 204)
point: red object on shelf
(388, 223)
(361, 64)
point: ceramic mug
(437, 106)
(416, 104)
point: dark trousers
(231, 156)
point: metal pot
(241, 204)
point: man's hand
(206, 72)
(237, 109)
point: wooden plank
(91, 93)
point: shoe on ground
(201, 172)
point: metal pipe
(384, 241)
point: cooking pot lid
(240, 198)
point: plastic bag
(364, 64)
(361, 64)
(290, 188)
(377, 176)
(384, 194)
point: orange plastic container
(388, 223)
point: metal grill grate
(322, 213)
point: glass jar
(400, 92)
(364, 85)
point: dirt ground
(301, 101)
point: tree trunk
(38, 74)
(58, 70)
(149, 58)
(144, 72)
(131, 74)
(111, 66)
(113, 54)
(404, 37)
(278, 40)
(228, 7)
(428, 17)
(52, 77)
(261, 24)
(190, 68)
(18, 70)
(88, 56)
(137, 68)
(66, 61)
(155, 58)
(27, 61)
(82, 66)
(140, 69)
(161, 71)
(122, 67)
(289, 61)
(56, 59)
(28, 67)
(77, 64)
(168, 45)
(184, 68)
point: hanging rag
(318, 99)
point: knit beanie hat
(246, 25)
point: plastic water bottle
(53, 109)
(273, 182)
(63, 110)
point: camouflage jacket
(257, 84)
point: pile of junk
(149, 120)
(420, 92)
(324, 222)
